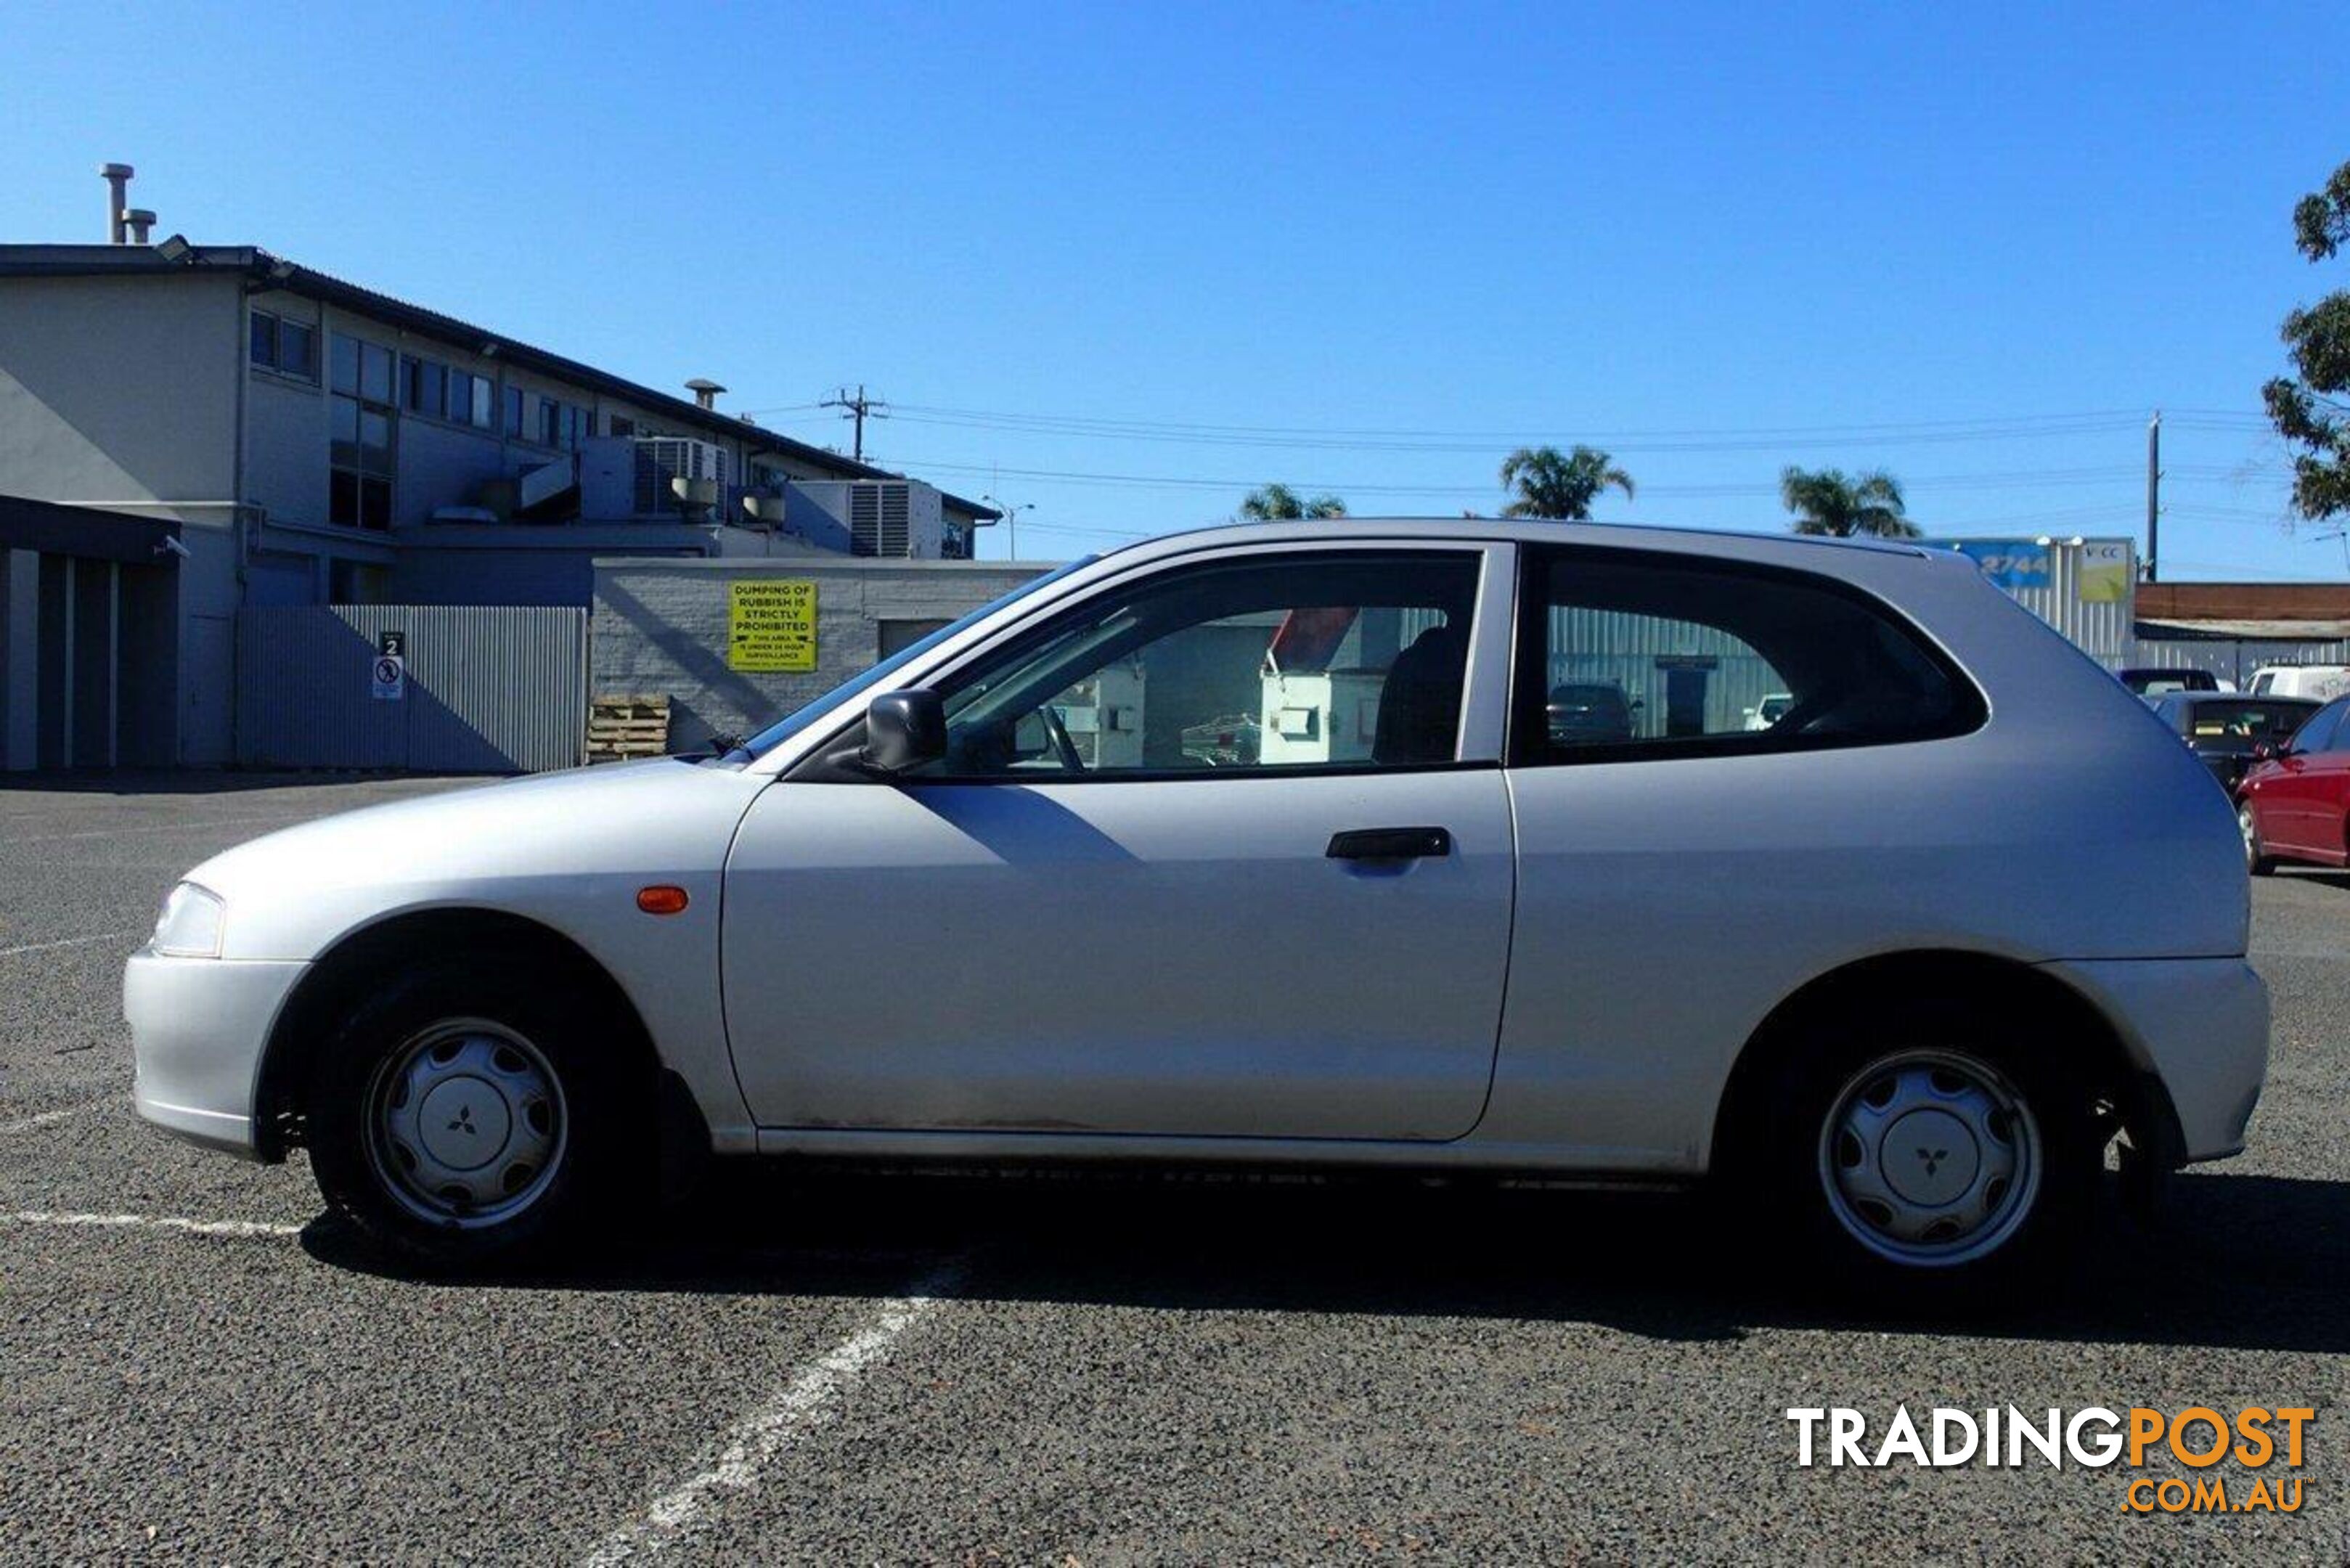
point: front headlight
(188, 925)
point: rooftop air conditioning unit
(661, 461)
(878, 520)
(898, 518)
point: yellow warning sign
(771, 626)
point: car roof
(1798, 549)
(2189, 698)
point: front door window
(1314, 661)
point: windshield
(877, 677)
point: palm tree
(1549, 484)
(1279, 503)
(1828, 501)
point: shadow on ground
(2247, 1261)
(204, 781)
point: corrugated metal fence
(1640, 654)
(487, 689)
(2062, 595)
(2232, 659)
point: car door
(1222, 850)
(2324, 790)
(2287, 798)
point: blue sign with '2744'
(2009, 563)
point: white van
(2323, 682)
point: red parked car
(2294, 804)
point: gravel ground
(1041, 1370)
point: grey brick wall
(659, 627)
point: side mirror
(904, 730)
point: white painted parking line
(49, 1119)
(149, 1223)
(754, 1443)
(68, 942)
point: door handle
(1389, 844)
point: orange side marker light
(662, 900)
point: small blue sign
(2010, 564)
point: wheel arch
(2110, 1066)
(339, 977)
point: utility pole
(2153, 495)
(857, 408)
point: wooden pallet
(623, 727)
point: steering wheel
(1059, 734)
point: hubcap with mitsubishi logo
(1930, 1157)
(463, 1123)
(467, 1123)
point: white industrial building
(190, 430)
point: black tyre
(1936, 1148)
(471, 1111)
(2256, 857)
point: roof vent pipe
(705, 391)
(138, 220)
(118, 195)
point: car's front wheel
(466, 1113)
(1943, 1156)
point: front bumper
(198, 1030)
(2201, 1028)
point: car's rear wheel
(2256, 857)
(467, 1112)
(1934, 1152)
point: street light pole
(1011, 518)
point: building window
(429, 387)
(550, 422)
(424, 387)
(375, 372)
(472, 400)
(288, 348)
(623, 427)
(359, 453)
(897, 636)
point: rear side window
(2239, 723)
(2322, 734)
(1629, 655)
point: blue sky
(1121, 263)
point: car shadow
(206, 781)
(2237, 1261)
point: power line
(1295, 437)
(857, 408)
(1994, 479)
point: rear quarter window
(1660, 656)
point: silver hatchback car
(1897, 963)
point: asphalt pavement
(194, 1363)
